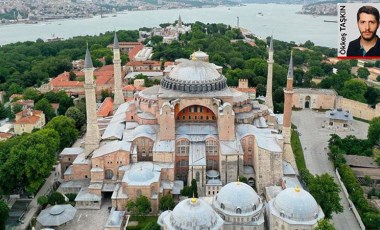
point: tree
(243, 179)
(56, 198)
(43, 200)
(363, 73)
(65, 126)
(3, 112)
(46, 107)
(324, 225)
(72, 76)
(152, 226)
(374, 131)
(194, 188)
(143, 205)
(354, 89)
(378, 78)
(326, 193)
(4, 214)
(140, 207)
(31, 93)
(167, 202)
(75, 114)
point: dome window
(222, 206)
(254, 207)
(238, 211)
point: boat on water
(260, 14)
(333, 21)
(54, 38)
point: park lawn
(142, 221)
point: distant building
(144, 54)
(142, 66)
(126, 47)
(27, 120)
(5, 136)
(25, 104)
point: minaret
(118, 92)
(268, 97)
(92, 132)
(287, 119)
(179, 24)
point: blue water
(280, 20)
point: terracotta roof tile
(105, 108)
(28, 120)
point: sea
(263, 20)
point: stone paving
(89, 219)
(314, 140)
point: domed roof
(236, 195)
(141, 174)
(194, 77)
(194, 71)
(194, 212)
(296, 204)
(56, 210)
(199, 54)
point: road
(314, 139)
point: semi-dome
(296, 204)
(141, 174)
(192, 213)
(194, 77)
(237, 197)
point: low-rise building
(27, 120)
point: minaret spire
(287, 119)
(92, 133)
(118, 92)
(268, 98)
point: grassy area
(143, 221)
(297, 150)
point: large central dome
(194, 77)
(195, 71)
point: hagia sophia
(192, 126)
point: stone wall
(358, 109)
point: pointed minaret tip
(115, 42)
(271, 43)
(290, 70)
(87, 59)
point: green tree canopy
(77, 115)
(354, 89)
(56, 198)
(167, 202)
(46, 107)
(324, 225)
(326, 193)
(4, 214)
(374, 131)
(363, 72)
(65, 126)
(141, 206)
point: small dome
(199, 55)
(296, 204)
(56, 210)
(194, 212)
(237, 195)
(141, 174)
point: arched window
(211, 147)
(238, 211)
(108, 174)
(222, 206)
(183, 147)
(254, 207)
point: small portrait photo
(357, 28)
